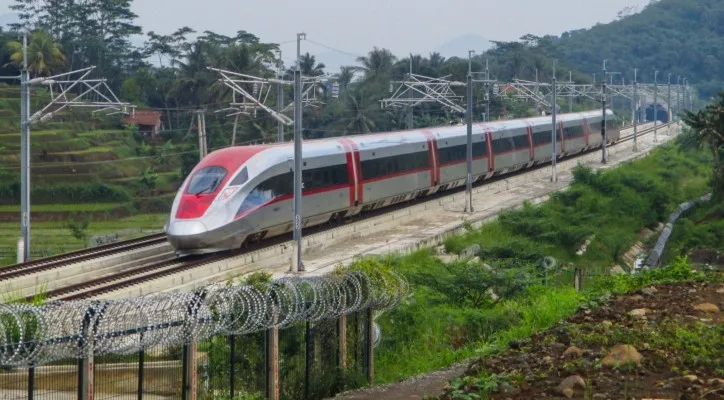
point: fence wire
(38, 335)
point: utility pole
(201, 119)
(570, 92)
(469, 156)
(411, 114)
(668, 102)
(25, 151)
(678, 96)
(469, 185)
(297, 259)
(636, 110)
(280, 99)
(603, 121)
(656, 109)
(487, 91)
(554, 157)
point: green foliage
(95, 192)
(78, 229)
(668, 25)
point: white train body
(244, 193)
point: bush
(67, 193)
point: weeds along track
(74, 257)
(144, 273)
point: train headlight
(228, 192)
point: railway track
(156, 270)
(65, 259)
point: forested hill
(681, 37)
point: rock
(620, 355)
(690, 379)
(568, 385)
(606, 323)
(720, 290)
(487, 267)
(639, 312)
(646, 346)
(474, 260)
(706, 307)
(636, 297)
(447, 258)
(492, 295)
(650, 291)
(441, 250)
(547, 359)
(558, 346)
(617, 270)
(599, 396)
(715, 382)
(517, 344)
(573, 352)
(470, 251)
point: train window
(521, 141)
(394, 164)
(241, 178)
(502, 145)
(573, 131)
(319, 178)
(542, 136)
(460, 152)
(206, 180)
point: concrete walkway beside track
(420, 225)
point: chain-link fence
(294, 338)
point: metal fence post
(370, 345)
(140, 373)
(31, 382)
(86, 365)
(577, 275)
(190, 376)
(272, 360)
(308, 354)
(232, 361)
(342, 330)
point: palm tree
(377, 64)
(45, 56)
(708, 124)
(344, 78)
(360, 122)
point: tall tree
(45, 56)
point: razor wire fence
(291, 338)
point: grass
(52, 237)
(448, 317)
(81, 207)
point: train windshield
(206, 180)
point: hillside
(84, 167)
(680, 37)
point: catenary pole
(297, 258)
(25, 151)
(603, 121)
(636, 110)
(469, 155)
(410, 94)
(280, 100)
(678, 96)
(554, 129)
(656, 99)
(669, 114)
(487, 91)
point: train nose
(185, 233)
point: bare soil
(681, 348)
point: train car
(243, 194)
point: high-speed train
(243, 194)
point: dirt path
(415, 388)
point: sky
(354, 27)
